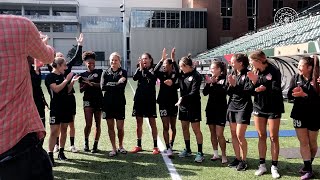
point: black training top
(38, 95)
(167, 94)
(270, 100)
(217, 92)
(303, 107)
(91, 93)
(240, 95)
(114, 91)
(76, 60)
(57, 99)
(189, 84)
(146, 88)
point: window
(64, 27)
(173, 18)
(226, 7)
(158, 19)
(101, 24)
(277, 4)
(43, 27)
(36, 10)
(100, 56)
(302, 4)
(251, 7)
(13, 10)
(251, 24)
(226, 23)
(64, 11)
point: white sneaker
(56, 148)
(274, 172)
(169, 152)
(73, 149)
(262, 169)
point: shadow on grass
(129, 166)
(286, 168)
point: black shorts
(191, 114)
(114, 112)
(58, 118)
(96, 105)
(71, 100)
(216, 117)
(166, 110)
(258, 113)
(144, 109)
(42, 115)
(305, 124)
(239, 117)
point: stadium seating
(304, 29)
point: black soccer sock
(187, 142)
(155, 143)
(72, 141)
(86, 141)
(171, 143)
(274, 163)
(168, 146)
(307, 165)
(262, 161)
(312, 160)
(139, 142)
(61, 150)
(200, 149)
(95, 145)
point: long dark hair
(150, 57)
(314, 62)
(222, 67)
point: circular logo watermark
(285, 15)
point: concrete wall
(153, 41)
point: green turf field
(144, 165)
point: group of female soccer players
(261, 80)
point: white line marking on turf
(172, 170)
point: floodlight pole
(255, 16)
(124, 34)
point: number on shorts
(296, 123)
(86, 104)
(52, 120)
(163, 112)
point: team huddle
(104, 97)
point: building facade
(230, 19)
(150, 26)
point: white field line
(172, 170)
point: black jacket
(91, 93)
(114, 91)
(240, 95)
(167, 94)
(217, 92)
(270, 100)
(303, 107)
(146, 88)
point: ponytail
(315, 74)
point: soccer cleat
(224, 160)
(94, 150)
(234, 163)
(199, 157)
(169, 152)
(73, 149)
(214, 158)
(242, 166)
(86, 148)
(261, 170)
(307, 175)
(185, 153)
(155, 151)
(136, 149)
(122, 150)
(274, 172)
(62, 157)
(112, 153)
